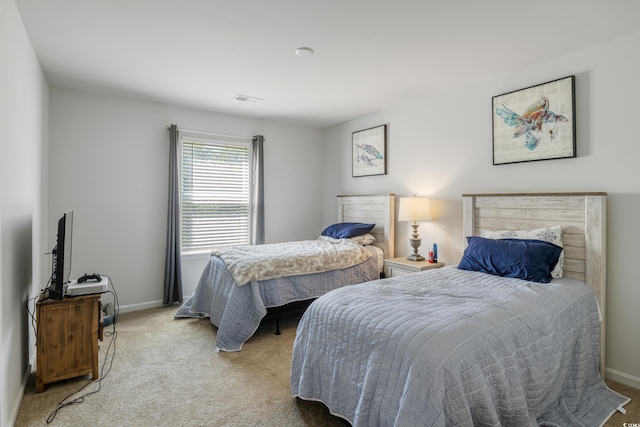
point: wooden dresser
(68, 331)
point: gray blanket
(238, 310)
(450, 347)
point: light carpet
(166, 373)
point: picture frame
(369, 152)
(535, 123)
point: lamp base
(415, 241)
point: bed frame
(583, 220)
(372, 209)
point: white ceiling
(369, 54)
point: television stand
(68, 331)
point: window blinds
(215, 194)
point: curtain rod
(212, 134)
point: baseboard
(623, 378)
(15, 408)
(141, 306)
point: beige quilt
(270, 261)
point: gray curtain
(257, 229)
(173, 263)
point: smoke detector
(304, 51)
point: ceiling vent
(246, 98)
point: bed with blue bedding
(238, 310)
(240, 285)
(455, 347)
(503, 338)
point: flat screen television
(62, 256)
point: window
(216, 193)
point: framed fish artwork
(369, 151)
(536, 123)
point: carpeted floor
(166, 373)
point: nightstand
(398, 266)
(68, 333)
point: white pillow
(364, 239)
(551, 235)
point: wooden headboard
(378, 210)
(583, 220)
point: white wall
(441, 147)
(109, 163)
(23, 121)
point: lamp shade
(414, 209)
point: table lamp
(414, 209)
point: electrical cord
(112, 345)
(32, 314)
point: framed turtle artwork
(369, 151)
(536, 123)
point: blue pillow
(526, 259)
(344, 230)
